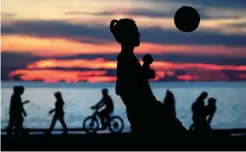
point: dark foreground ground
(222, 141)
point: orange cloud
(178, 66)
(76, 63)
(52, 76)
(242, 76)
(101, 63)
(204, 76)
(95, 79)
(61, 75)
(194, 71)
(62, 46)
(187, 77)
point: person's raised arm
(98, 105)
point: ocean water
(231, 102)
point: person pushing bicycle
(109, 107)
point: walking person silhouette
(16, 111)
(59, 113)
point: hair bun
(112, 26)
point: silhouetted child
(59, 113)
(210, 109)
(16, 111)
(109, 107)
(147, 61)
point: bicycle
(115, 124)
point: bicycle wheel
(116, 124)
(91, 125)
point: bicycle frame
(95, 114)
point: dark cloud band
(151, 34)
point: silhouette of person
(16, 111)
(200, 123)
(210, 109)
(132, 85)
(172, 125)
(147, 61)
(59, 113)
(109, 107)
(169, 104)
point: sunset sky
(70, 40)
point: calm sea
(231, 105)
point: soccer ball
(187, 19)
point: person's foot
(104, 127)
(65, 133)
(48, 133)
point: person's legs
(103, 116)
(10, 126)
(19, 126)
(63, 124)
(52, 124)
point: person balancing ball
(187, 19)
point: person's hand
(27, 101)
(51, 111)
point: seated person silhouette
(210, 109)
(109, 107)
(147, 61)
(172, 125)
(16, 111)
(169, 104)
(59, 113)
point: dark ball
(187, 19)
